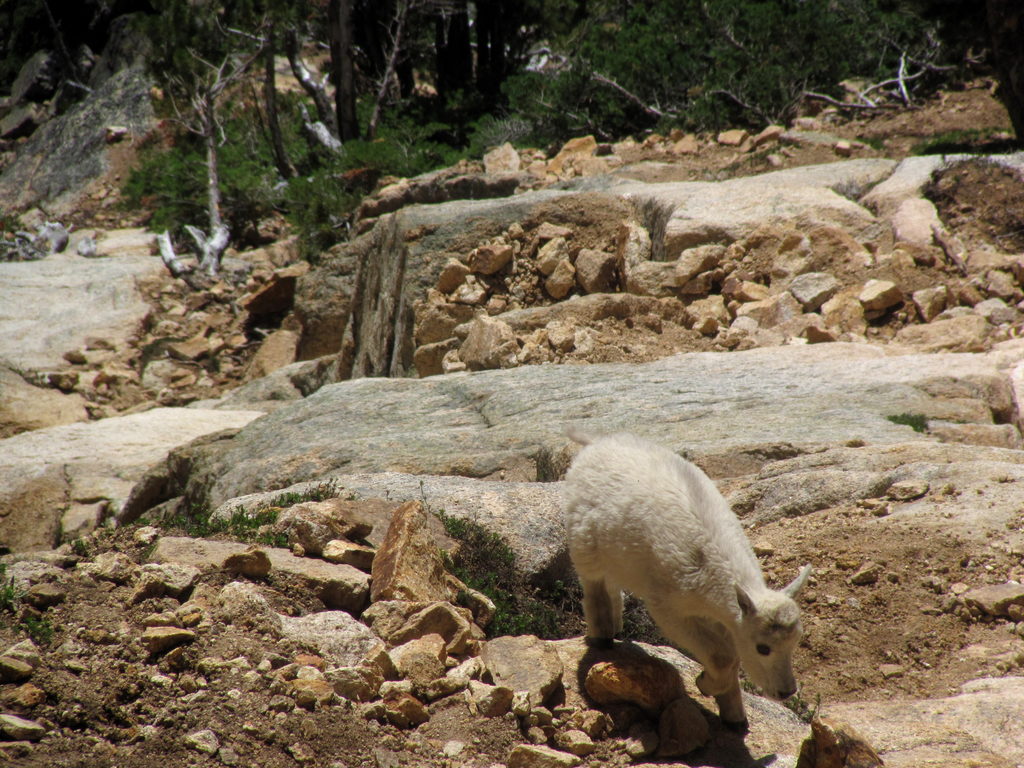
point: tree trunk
(490, 49)
(342, 44)
(389, 69)
(1006, 29)
(211, 248)
(284, 165)
(315, 90)
(453, 51)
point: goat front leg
(602, 608)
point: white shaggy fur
(643, 519)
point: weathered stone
(19, 728)
(966, 333)
(687, 145)
(682, 728)
(548, 231)
(561, 280)
(551, 253)
(338, 586)
(833, 744)
(880, 295)
(171, 579)
(914, 221)
(571, 152)
(869, 573)
(996, 311)
(471, 292)
(538, 756)
(488, 700)
(24, 407)
(14, 670)
(276, 351)
(112, 566)
(451, 277)
(441, 618)
(311, 525)
(204, 741)
(775, 310)
(503, 159)
(575, 742)
(744, 290)
(253, 563)
(429, 359)
(733, 138)
(420, 660)
(648, 683)
(523, 663)
(489, 344)
(996, 599)
(845, 313)
(349, 553)
(27, 696)
(311, 693)
(595, 270)
(930, 301)
(159, 640)
(242, 603)
(408, 564)
(337, 637)
(812, 289)
(490, 259)
(404, 710)
(358, 683)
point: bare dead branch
(316, 90)
(598, 77)
(847, 104)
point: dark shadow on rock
(726, 748)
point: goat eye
(763, 649)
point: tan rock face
(489, 344)
(836, 745)
(523, 663)
(648, 683)
(408, 564)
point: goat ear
(747, 606)
(798, 583)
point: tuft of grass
(245, 525)
(916, 421)
(38, 628)
(10, 595)
(487, 564)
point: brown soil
(983, 202)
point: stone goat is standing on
(641, 518)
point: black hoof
(737, 726)
(600, 643)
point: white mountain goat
(643, 519)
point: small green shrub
(916, 421)
(10, 595)
(38, 628)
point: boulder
(37, 79)
(524, 663)
(490, 343)
(24, 407)
(595, 270)
(73, 146)
(53, 306)
(503, 159)
(44, 471)
(812, 289)
(408, 564)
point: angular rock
(996, 311)
(869, 573)
(112, 566)
(833, 744)
(523, 663)
(159, 640)
(554, 251)
(503, 159)
(348, 553)
(996, 599)
(561, 280)
(772, 311)
(648, 683)
(548, 231)
(159, 579)
(812, 289)
(575, 742)
(24, 407)
(880, 295)
(21, 729)
(682, 728)
(930, 301)
(337, 586)
(453, 624)
(337, 637)
(452, 275)
(404, 710)
(915, 220)
(408, 564)
(204, 741)
(967, 333)
(595, 270)
(358, 683)
(531, 756)
(277, 351)
(311, 525)
(489, 344)
(420, 660)
(242, 603)
(253, 563)
(488, 700)
(14, 670)
(490, 259)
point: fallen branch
(173, 262)
(598, 77)
(847, 104)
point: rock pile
(300, 630)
